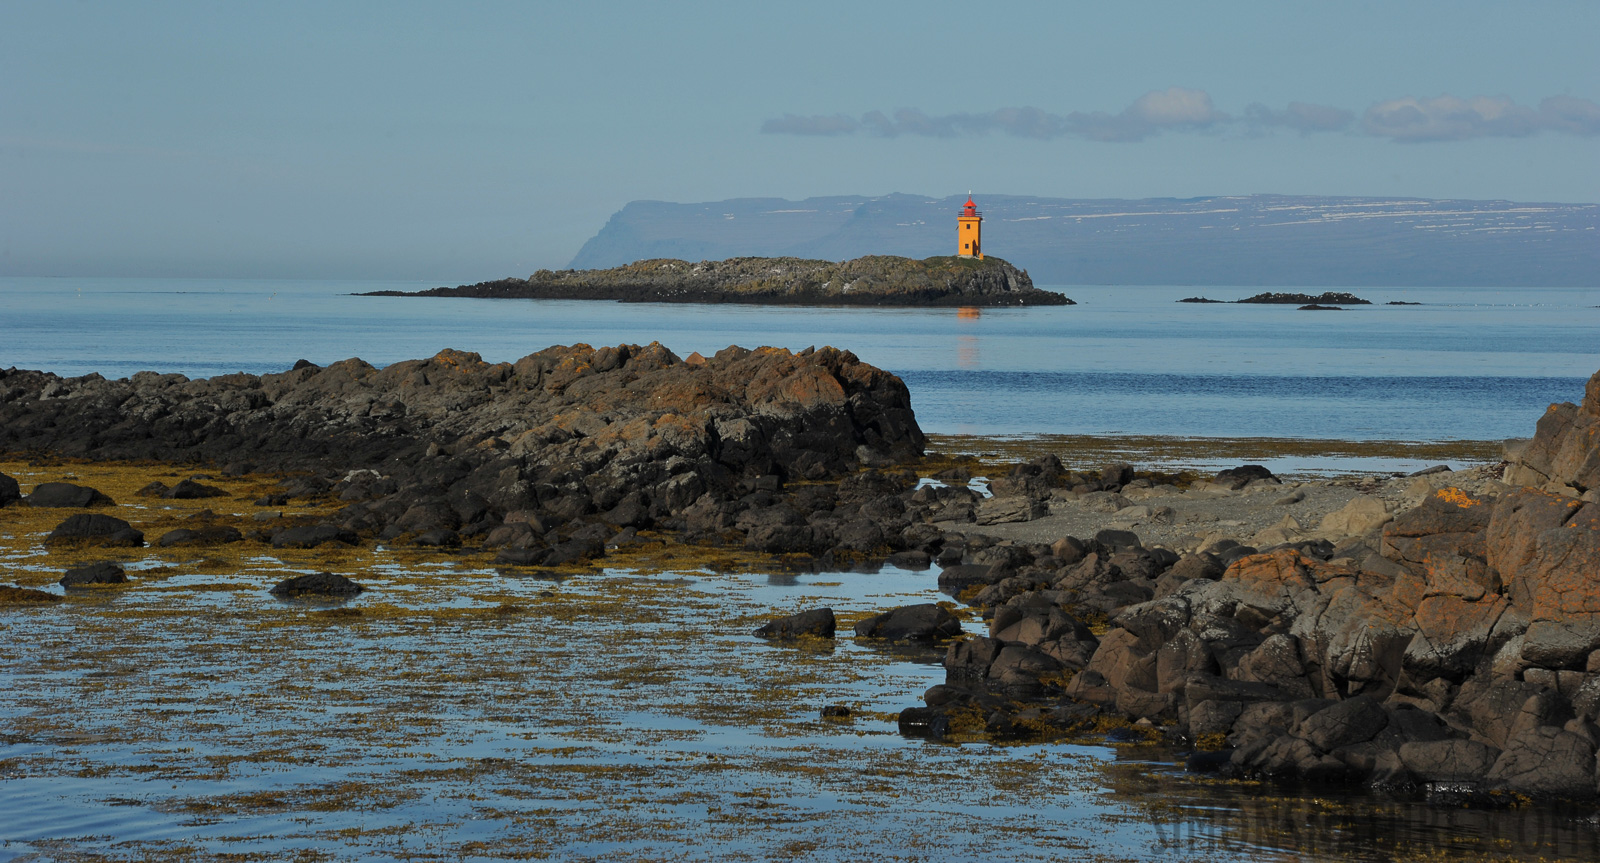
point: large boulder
(94, 575)
(1005, 510)
(1448, 761)
(1546, 550)
(94, 529)
(816, 623)
(1546, 761)
(211, 534)
(10, 491)
(1448, 521)
(927, 622)
(316, 584)
(1362, 515)
(66, 494)
(189, 489)
(311, 536)
(1565, 450)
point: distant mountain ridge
(1283, 240)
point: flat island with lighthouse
(968, 278)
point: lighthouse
(969, 231)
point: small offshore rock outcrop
(874, 280)
(1327, 298)
(1307, 302)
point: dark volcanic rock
(911, 623)
(189, 490)
(104, 573)
(10, 492)
(65, 494)
(200, 536)
(875, 280)
(1331, 298)
(317, 584)
(631, 432)
(94, 529)
(1467, 653)
(311, 536)
(818, 622)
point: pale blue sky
(453, 142)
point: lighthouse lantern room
(969, 231)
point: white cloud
(1447, 118)
(1176, 106)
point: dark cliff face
(585, 425)
(874, 280)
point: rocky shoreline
(874, 280)
(1427, 631)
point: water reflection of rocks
(1190, 819)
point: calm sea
(1468, 363)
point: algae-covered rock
(12, 595)
(94, 529)
(817, 623)
(65, 495)
(100, 574)
(316, 584)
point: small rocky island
(873, 280)
(1304, 301)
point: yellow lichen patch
(1456, 497)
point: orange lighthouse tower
(969, 231)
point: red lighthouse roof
(970, 209)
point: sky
(453, 142)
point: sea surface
(1466, 364)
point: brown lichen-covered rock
(1447, 521)
(1565, 449)
(1546, 548)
